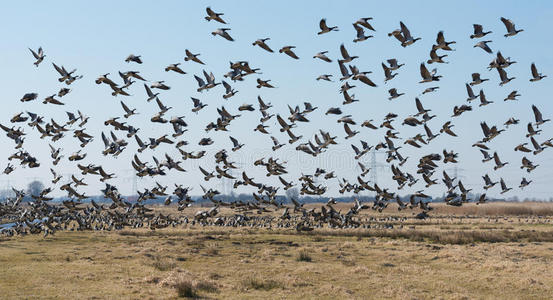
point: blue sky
(95, 37)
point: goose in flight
(394, 94)
(522, 148)
(512, 96)
(262, 43)
(388, 73)
(447, 128)
(441, 42)
(435, 58)
(174, 68)
(192, 57)
(538, 148)
(345, 55)
(476, 79)
(524, 183)
(128, 112)
(498, 163)
(510, 26)
(39, 56)
(223, 33)
(488, 183)
(483, 100)
(407, 38)
(535, 75)
(29, 97)
(484, 46)
(531, 131)
(528, 165)
(134, 58)
(504, 188)
(478, 31)
(471, 95)
(324, 28)
(160, 85)
(486, 155)
(229, 91)
(325, 77)
(276, 144)
(503, 76)
(427, 76)
(151, 95)
(350, 133)
(288, 51)
(360, 34)
(211, 15)
(322, 56)
(263, 83)
(538, 116)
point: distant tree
(292, 193)
(35, 187)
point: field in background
(497, 250)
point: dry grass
(445, 257)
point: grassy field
(483, 256)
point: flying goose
(536, 145)
(503, 76)
(510, 26)
(223, 33)
(322, 56)
(427, 76)
(512, 96)
(211, 15)
(441, 43)
(484, 46)
(498, 163)
(128, 112)
(229, 91)
(133, 58)
(476, 79)
(435, 58)
(324, 28)
(531, 131)
(487, 156)
(360, 34)
(394, 94)
(478, 31)
(488, 183)
(504, 188)
(345, 55)
(535, 75)
(288, 51)
(262, 43)
(538, 116)
(524, 183)
(39, 56)
(483, 100)
(174, 68)
(192, 57)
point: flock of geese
(41, 215)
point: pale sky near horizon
(96, 37)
